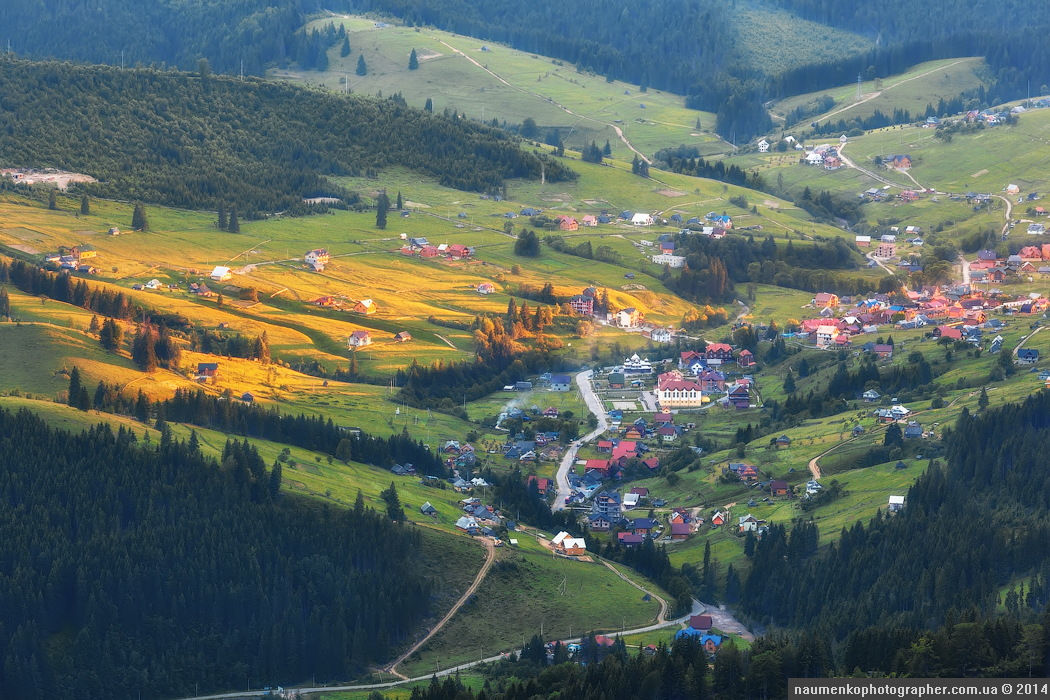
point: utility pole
(121, 57)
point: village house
(221, 273)
(896, 504)
(486, 288)
(680, 531)
(590, 220)
(543, 484)
(207, 372)
(458, 251)
(583, 305)
(366, 307)
(567, 223)
(825, 300)
(359, 339)
(561, 382)
(718, 354)
(642, 219)
(747, 523)
(402, 337)
(627, 318)
(1027, 356)
(778, 487)
(317, 259)
(886, 249)
(826, 336)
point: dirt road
(497, 76)
(872, 95)
(490, 557)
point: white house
(642, 219)
(814, 158)
(763, 146)
(359, 339)
(669, 259)
(826, 335)
(317, 259)
(569, 545)
(660, 335)
(627, 318)
(221, 273)
(896, 503)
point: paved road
(490, 557)
(583, 380)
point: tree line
(194, 407)
(142, 567)
(203, 141)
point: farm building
(359, 339)
(221, 273)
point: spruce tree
(74, 387)
(275, 480)
(382, 207)
(429, 105)
(982, 401)
(413, 61)
(345, 50)
(85, 205)
(139, 222)
(83, 400)
(789, 383)
(235, 224)
(5, 303)
(224, 221)
(400, 202)
(52, 200)
(362, 67)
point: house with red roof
(605, 446)
(947, 332)
(542, 483)
(653, 463)
(597, 465)
(746, 359)
(718, 353)
(624, 449)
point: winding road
(583, 380)
(490, 557)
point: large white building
(669, 259)
(672, 391)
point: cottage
(569, 546)
(642, 219)
(616, 380)
(207, 371)
(896, 503)
(629, 539)
(778, 487)
(359, 339)
(763, 146)
(561, 382)
(718, 519)
(543, 484)
(402, 337)
(366, 307)
(1027, 356)
(747, 523)
(871, 395)
(680, 531)
(221, 273)
(718, 353)
(486, 288)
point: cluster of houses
(73, 259)
(423, 248)
(699, 627)
(956, 311)
(824, 156)
(477, 518)
(1031, 260)
(365, 307)
(361, 338)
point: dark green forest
(200, 141)
(135, 568)
(687, 48)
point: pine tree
(111, 335)
(607, 150)
(382, 206)
(52, 200)
(83, 400)
(345, 50)
(400, 202)
(362, 67)
(982, 401)
(275, 480)
(413, 61)
(235, 224)
(74, 387)
(85, 205)
(224, 221)
(139, 222)
(429, 105)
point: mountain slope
(180, 139)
